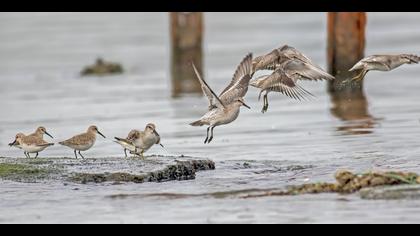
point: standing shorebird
(382, 63)
(224, 109)
(83, 142)
(138, 142)
(40, 131)
(30, 144)
(289, 67)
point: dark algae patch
(102, 68)
(21, 172)
(181, 170)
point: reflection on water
(353, 110)
(350, 105)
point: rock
(101, 68)
(99, 170)
(391, 192)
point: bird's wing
(124, 140)
(34, 140)
(292, 53)
(132, 135)
(75, 140)
(238, 87)
(370, 62)
(299, 70)
(411, 58)
(211, 95)
(125, 143)
(279, 81)
(266, 62)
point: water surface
(41, 55)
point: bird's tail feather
(47, 144)
(197, 123)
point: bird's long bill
(246, 105)
(155, 132)
(48, 134)
(14, 142)
(161, 145)
(100, 134)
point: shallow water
(41, 55)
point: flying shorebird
(224, 109)
(83, 142)
(289, 66)
(30, 144)
(278, 56)
(138, 142)
(382, 63)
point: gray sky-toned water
(41, 55)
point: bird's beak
(100, 133)
(161, 145)
(155, 132)
(246, 105)
(14, 142)
(48, 134)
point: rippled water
(41, 55)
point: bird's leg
(265, 107)
(142, 154)
(26, 154)
(29, 155)
(134, 153)
(125, 152)
(266, 102)
(211, 137)
(259, 95)
(37, 154)
(75, 154)
(207, 137)
(358, 77)
(81, 155)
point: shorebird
(30, 144)
(382, 63)
(127, 143)
(224, 109)
(278, 56)
(83, 142)
(40, 131)
(138, 142)
(289, 66)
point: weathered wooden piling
(346, 46)
(186, 47)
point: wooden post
(346, 45)
(186, 47)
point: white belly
(33, 148)
(222, 117)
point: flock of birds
(288, 66)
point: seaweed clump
(102, 68)
(348, 182)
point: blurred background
(42, 55)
